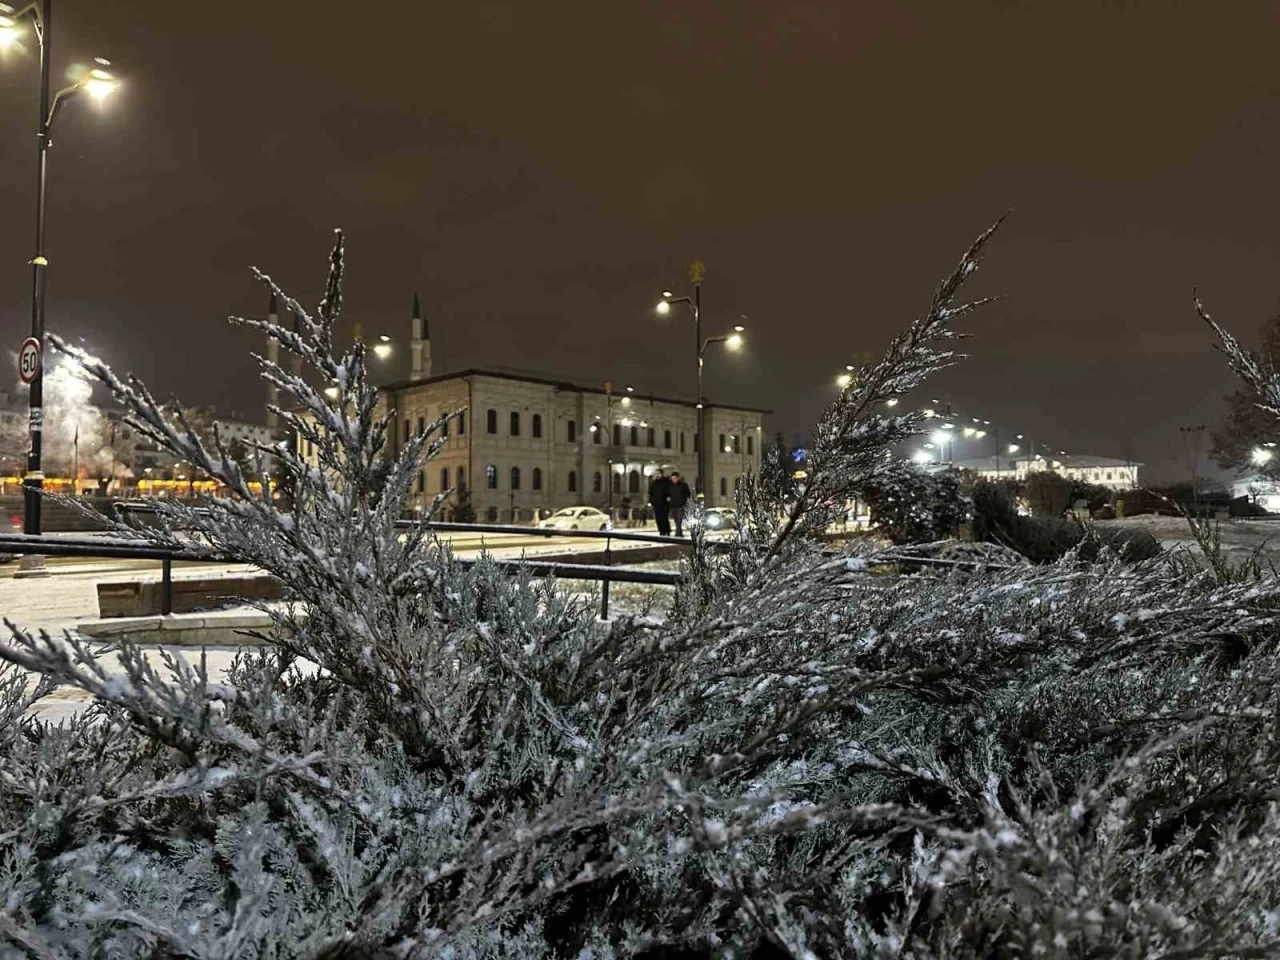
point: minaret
(273, 355)
(419, 345)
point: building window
(444, 425)
(723, 446)
(736, 443)
(422, 426)
(572, 427)
(751, 445)
(444, 479)
(1108, 474)
(462, 423)
(491, 514)
(666, 439)
(515, 423)
(422, 483)
(595, 433)
(573, 481)
(492, 421)
(491, 477)
(537, 478)
(724, 486)
(682, 441)
(406, 429)
(648, 440)
(461, 479)
(536, 430)
(635, 436)
(633, 482)
(617, 434)
(617, 482)
(515, 478)
(597, 483)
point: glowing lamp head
(9, 31)
(626, 401)
(941, 437)
(891, 402)
(100, 83)
(331, 393)
(968, 431)
(663, 307)
(734, 342)
(921, 456)
(1261, 455)
(1014, 448)
(843, 380)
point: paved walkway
(69, 597)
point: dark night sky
(540, 170)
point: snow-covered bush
(803, 758)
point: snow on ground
(1239, 538)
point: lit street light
(382, 349)
(1262, 455)
(98, 82)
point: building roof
(978, 464)
(558, 384)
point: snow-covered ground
(1239, 538)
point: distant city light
(1014, 448)
(891, 402)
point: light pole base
(31, 565)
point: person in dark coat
(677, 498)
(659, 488)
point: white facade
(1263, 491)
(1098, 471)
(524, 444)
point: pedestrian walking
(659, 489)
(677, 497)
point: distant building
(1098, 471)
(1263, 491)
(525, 443)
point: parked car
(15, 524)
(577, 518)
(719, 518)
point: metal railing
(118, 548)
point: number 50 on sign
(29, 359)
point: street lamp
(382, 349)
(1262, 455)
(98, 82)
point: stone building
(526, 443)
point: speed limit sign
(29, 359)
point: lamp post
(731, 340)
(98, 82)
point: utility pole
(698, 270)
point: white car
(577, 518)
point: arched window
(617, 482)
(633, 482)
(444, 427)
(595, 433)
(515, 478)
(751, 445)
(573, 481)
(724, 486)
(491, 477)
(635, 436)
(617, 434)
(536, 428)
(648, 438)
(461, 480)
(491, 421)
(515, 423)
(572, 427)
(421, 482)
(666, 439)
(597, 483)
(682, 441)
(422, 426)
(444, 479)
(462, 423)
(537, 478)
(406, 429)
(723, 446)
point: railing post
(166, 586)
(604, 592)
